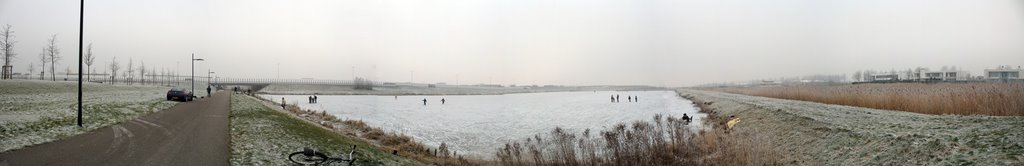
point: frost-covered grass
(264, 136)
(809, 133)
(34, 112)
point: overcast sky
(570, 42)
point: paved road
(193, 133)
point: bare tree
(113, 69)
(53, 54)
(129, 71)
(858, 75)
(142, 71)
(88, 59)
(31, 69)
(7, 48)
(43, 58)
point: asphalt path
(192, 133)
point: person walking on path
(208, 89)
(442, 101)
(424, 101)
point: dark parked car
(181, 94)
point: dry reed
(661, 141)
(998, 99)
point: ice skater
(686, 118)
(424, 101)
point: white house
(1004, 73)
(949, 75)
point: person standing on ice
(442, 101)
(616, 98)
(424, 101)
(613, 98)
(314, 99)
(309, 98)
(636, 98)
(629, 98)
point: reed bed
(660, 141)
(997, 99)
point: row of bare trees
(51, 54)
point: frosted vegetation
(34, 112)
(264, 136)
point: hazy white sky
(572, 42)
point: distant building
(884, 77)
(949, 75)
(1004, 73)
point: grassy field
(264, 136)
(34, 112)
(999, 99)
(811, 133)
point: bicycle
(312, 157)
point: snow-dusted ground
(34, 112)
(809, 133)
(478, 124)
(263, 136)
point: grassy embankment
(661, 141)
(810, 133)
(34, 112)
(262, 135)
(998, 99)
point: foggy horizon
(579, 42)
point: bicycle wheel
(299, 158)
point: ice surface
(478, 124)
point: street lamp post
(81, 23)
(194, 72)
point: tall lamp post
(194, 72)
(81, 23)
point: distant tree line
(360, 83)
(51, 55)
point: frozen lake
(478, 124)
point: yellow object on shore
(732, 123)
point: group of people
(425, 101)
(312, 99)
(615, 98)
